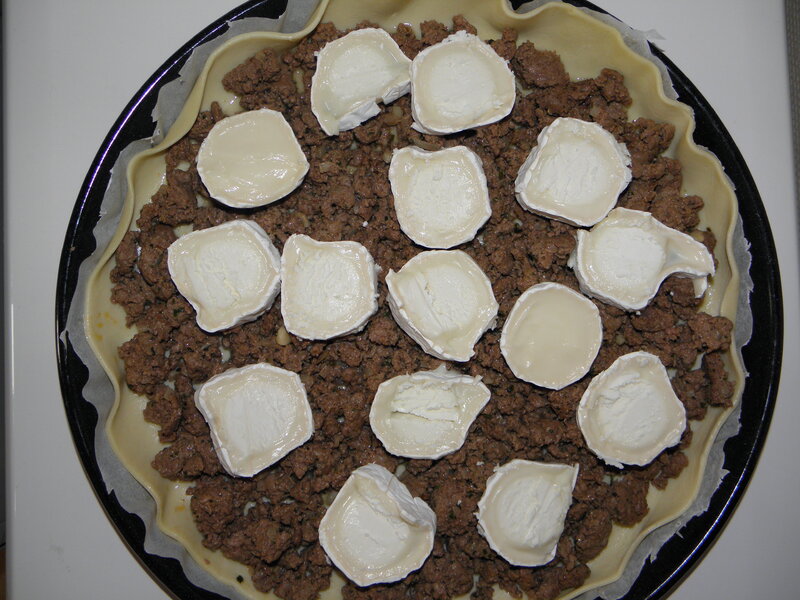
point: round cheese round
(441, 198)
(574, 174)
(551, 336)
(375, 531)
(229, 273)
(522, 512)
(444, 301)
(458, 84)
(251, 159)
(629, 413)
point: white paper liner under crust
(98, 390)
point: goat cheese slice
(256, 414)
(624, 259)
(551, 336)
(444, 301)
(353, 73)
(426, 414)
(522, 512)
(229, 273)
(458, 84)
(574, 174)
(329, 288)
(629, 413)
(375, 531)
(441, 198)
(251, 159)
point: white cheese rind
(574, 174)
(629, 413)
(330, 289)
(551, 336)
(459, 83)
(444, 301)
(375, 531)
(522, 512)
(353, 73)
(229, 273)
(624, 259)
(441, 198)
(251, 159)
(256, 414)
(426, 414)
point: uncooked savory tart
(250, 422)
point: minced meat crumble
(269, 522)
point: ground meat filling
(269, 522)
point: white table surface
(70, 69)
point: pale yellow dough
(552, 27)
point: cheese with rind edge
(256, 414)
(330, 289)
(444, 301)
(459, 83)
(574, 174)
(229, 273)
(426, 414)
(624, 259)
(251, 159)
(629, 413)
(375, 531)
(551, 336)
(441, 198)
(522, 512)
(353, 73)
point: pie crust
(554, 26)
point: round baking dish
(761, 355)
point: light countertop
(70, 68)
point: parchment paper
(98, 390)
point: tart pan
(761, 357)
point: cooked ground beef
(269, 522)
